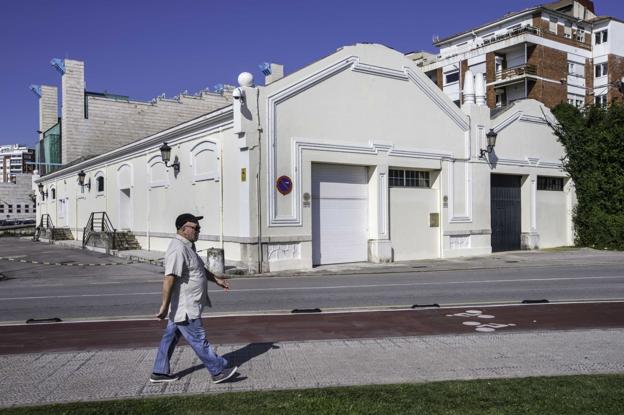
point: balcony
(512, 33)
(516, 72)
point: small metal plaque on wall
(434, 220)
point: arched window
(158, 176)
(99, 181)
(205, 161)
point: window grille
(409, 178)
(550, 183)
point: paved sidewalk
(512, 259)
(29, 379)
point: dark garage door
(506, 215)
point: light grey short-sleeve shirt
(189, 294)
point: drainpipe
(221, 218)
(258, 195)
(148, 190)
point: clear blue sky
(143, 48)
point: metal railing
(516, 71)
(46, 222)
(511, 33)
(99, 222)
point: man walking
(184, 295)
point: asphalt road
(73, 292)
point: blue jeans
(193, 332)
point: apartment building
(558, 52)
(92, 123)
(15, 159)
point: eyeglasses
(194, 227)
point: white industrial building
(356, 157)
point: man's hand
(221, 282)
(162, 313)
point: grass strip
(587, 395)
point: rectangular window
(550, 183)
(601, 37)
(601, 100)
(34, 208)
(18, 209)
(10, 208)
(580, 34)
(26, 209)
(567, 30)
(601, 70)
(409, 178)
(576, 100)
(451, 77)
(1, 208)
(552, 25)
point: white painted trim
(438, 97)
(530, 162)
(466, 216)
(382, 206)
(420, 80)
(533, 178)
(206, 145)
(298, 145)
(153, 161)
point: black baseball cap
(186, 217)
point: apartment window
(601, 100)
(26, 209)
(18, 209)
(580, 34)
(34, 209)
(570, 68)
(576, 100)
(601, 37)
(576, 69)
(601, 69)
(567, 30)
(10, 208)
(550, 183)
(451, 77)
(1, 208)
(409, 178)
(552, 26)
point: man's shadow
(237, 358)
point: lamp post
(81, 180)
(165, 153)
(491, 142)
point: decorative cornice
(438, 98)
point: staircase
(61, 234)
(100, 233)
(125, 241)
(47, 230)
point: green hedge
(594, 141)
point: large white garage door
(339, 214)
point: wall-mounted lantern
(41, 192)
(491, 142)
(81, 180)
(165, 153)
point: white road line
(333, 287)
